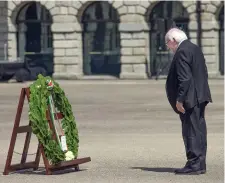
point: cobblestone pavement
(126, 127)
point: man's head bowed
(173, 37)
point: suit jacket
(187, 80)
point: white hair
(175, 34)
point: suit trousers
(194, 133)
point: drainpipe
(199, 22)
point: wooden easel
(40, 151)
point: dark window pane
(165, 15)
(101, 40)
(34, 36)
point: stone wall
(210, 36)
(67, 41)
(134, 34)
(3, 30)
(12, 42)
(132, 29)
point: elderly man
(188, 93)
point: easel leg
(14, 132)
(77, 168)
(26, 146)
(38, 157)
(48, 171)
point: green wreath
(38, 105)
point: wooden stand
(40, 151)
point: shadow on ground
(156, 169)
(41, 171)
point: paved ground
(127, 128)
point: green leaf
(38, 106)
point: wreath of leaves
(38, 105)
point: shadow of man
(156, 169)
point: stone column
(3, 30)
(67, 43)
(12, 43)
(190, 7)
(12, 29)
(12, 46)
(133, 41)
(210, 39)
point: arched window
(34, 36)
(221, 41)
(101, 40)
(165, 15)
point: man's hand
(180, 107)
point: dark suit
(187, 82)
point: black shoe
(189, 171)
(185, 166)
(203, 171)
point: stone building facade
(132, 30)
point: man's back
(195, 77)
(199, 71)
